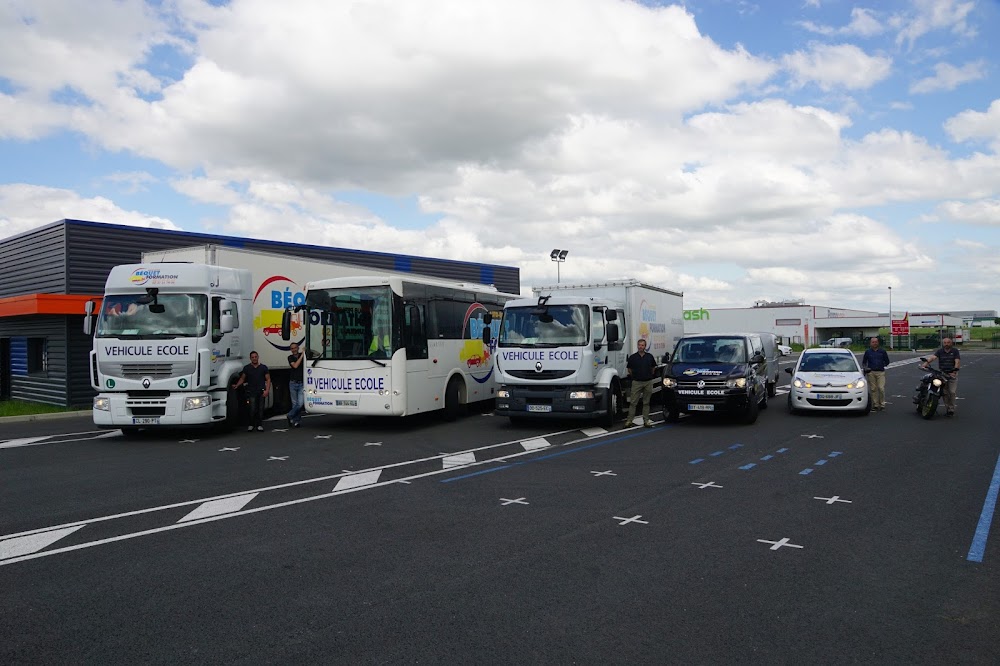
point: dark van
(717, 373)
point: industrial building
(47, 274)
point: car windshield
(828, 363)
(713, 349)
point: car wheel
(772, 388)
(752, 411)
(791, 406)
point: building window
(787, 322)
(38, 355)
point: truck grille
(544, 374)
(151, 370)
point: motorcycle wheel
(929, 407)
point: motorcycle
(929, 391)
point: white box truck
(562, 353)
(173, 332)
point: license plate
(145, 420)
(701, 408)
(347, 403)
(828, 396)
(539, 408)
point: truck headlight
(669, 382)
(740, 382)
(102, 404)
(581, 395)
(197, 402)
(503, 393)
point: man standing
(641, 368)
(258, 380)
(295, 360)
(874, 364)
(949, 361)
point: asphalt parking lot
(810, 538)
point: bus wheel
(453, 401)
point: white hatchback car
(828, 379)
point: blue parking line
(767, 457)
(735, 446)
(696, 461)
(834, 454)
(717, 454)
(749, 466)
(821, 462)
(807, 470)
(985, 518)
(551, 455)
(782, 450)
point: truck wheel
(614, 402)
(452, 401)
(752, 410)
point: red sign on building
(901, 326)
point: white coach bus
(399, 345)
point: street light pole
(558, 256)
(890, 317)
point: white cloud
(864, 23)
(974, 125)
(985, 212)
(837, 66)
(29, 206)
(949, 77)
(927, 16)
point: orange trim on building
(45, 304)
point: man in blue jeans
(295, 392)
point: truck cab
(561, 356)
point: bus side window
(414, 331)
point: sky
(738, 151)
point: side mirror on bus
(286, 325)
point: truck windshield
(122, 316)
(350, 323)
(711, 349)
(560, 326)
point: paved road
(817, 539)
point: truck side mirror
(227, 323)
(790, 371)
(286, 325)
(666, 358)
(88, 322)
(612, 333)
(611, 315)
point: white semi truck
(173, 332)
(562, 353)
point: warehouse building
(46, 276)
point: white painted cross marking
(458, 460)
(593, 432)
(831, 500)
(32, 543)
(282, 458)
(537, 443)
(219, 507)
(633, 519)
(373, 443)
(813, 436)
(504, 501)
(229, 448)
(702, 486)
(358, 480)
(323, 436)
(778, 544)
(606, 472)
(188, 441)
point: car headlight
(799, 383)
(503, 393)
(740, 382)
(580, 395)
(857, 383)
(936, 382)
(669, 382)
(102, 404)
(197, 402)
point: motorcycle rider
(949, 361)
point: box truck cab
(562, 353)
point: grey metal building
(47, 274)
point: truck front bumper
(582, 402)
(124, 411)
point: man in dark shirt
(642, 369)
(949, 361)
(258, 380)
(295, 392)
(874, 363)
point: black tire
(868, 409)
(453, 406)
(929, 407)
(752, 411)
(772, 388)
(614, 403)
(791, 407)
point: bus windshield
(711, 349)
(350, 323)
(122, 316)
(560, 326)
